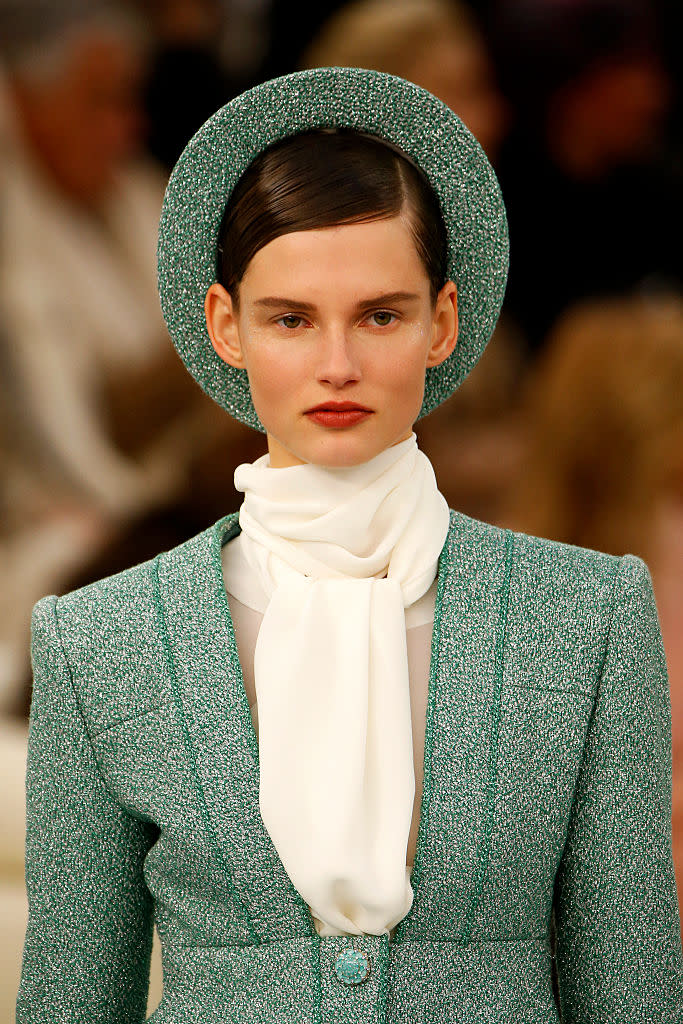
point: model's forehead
(377, 251)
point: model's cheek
(264, 365)
(274, 382)
(405, 382)
(268, 398)
(262, 380)
(269, 379)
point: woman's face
(329, 316)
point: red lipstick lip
(339, 407)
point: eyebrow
(277, 302)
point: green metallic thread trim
(618, 562)
(578, 690)
(444, 563)
(318, 975)
(221, 528)
(156, 596)
(495, 723)
(218, 532)
(124, 721)
(489, 941)
(383, 966)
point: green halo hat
(373, 102)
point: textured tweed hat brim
(395, 110)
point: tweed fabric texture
(384, 105)
(547, 791)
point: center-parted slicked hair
(323, 178)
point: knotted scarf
(341, 552)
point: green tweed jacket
(547, 794)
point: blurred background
(570, 426)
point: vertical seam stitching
(618, 564)
(86, 726)
(190, 749)
(416, 876)
(318, 976)
(383, 981)
(495, 723)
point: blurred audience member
(99, 420)
(203, 52)
(604, 407)
(78, 225)
(604, 469)
(434, 43)
(593, 205)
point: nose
(338, 359)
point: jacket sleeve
(618, 952)
(87, 951)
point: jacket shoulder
(536, 556)
(558, 598)
(111, 636)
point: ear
(444, 325)
(222, 325)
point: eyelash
(294, 316)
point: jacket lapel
(220, 740)
(463, 711)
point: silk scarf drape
(341, 552)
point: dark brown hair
(322, 178)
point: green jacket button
(352, 966)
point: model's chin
(331, 447)
(341, 449)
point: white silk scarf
(341, 553)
